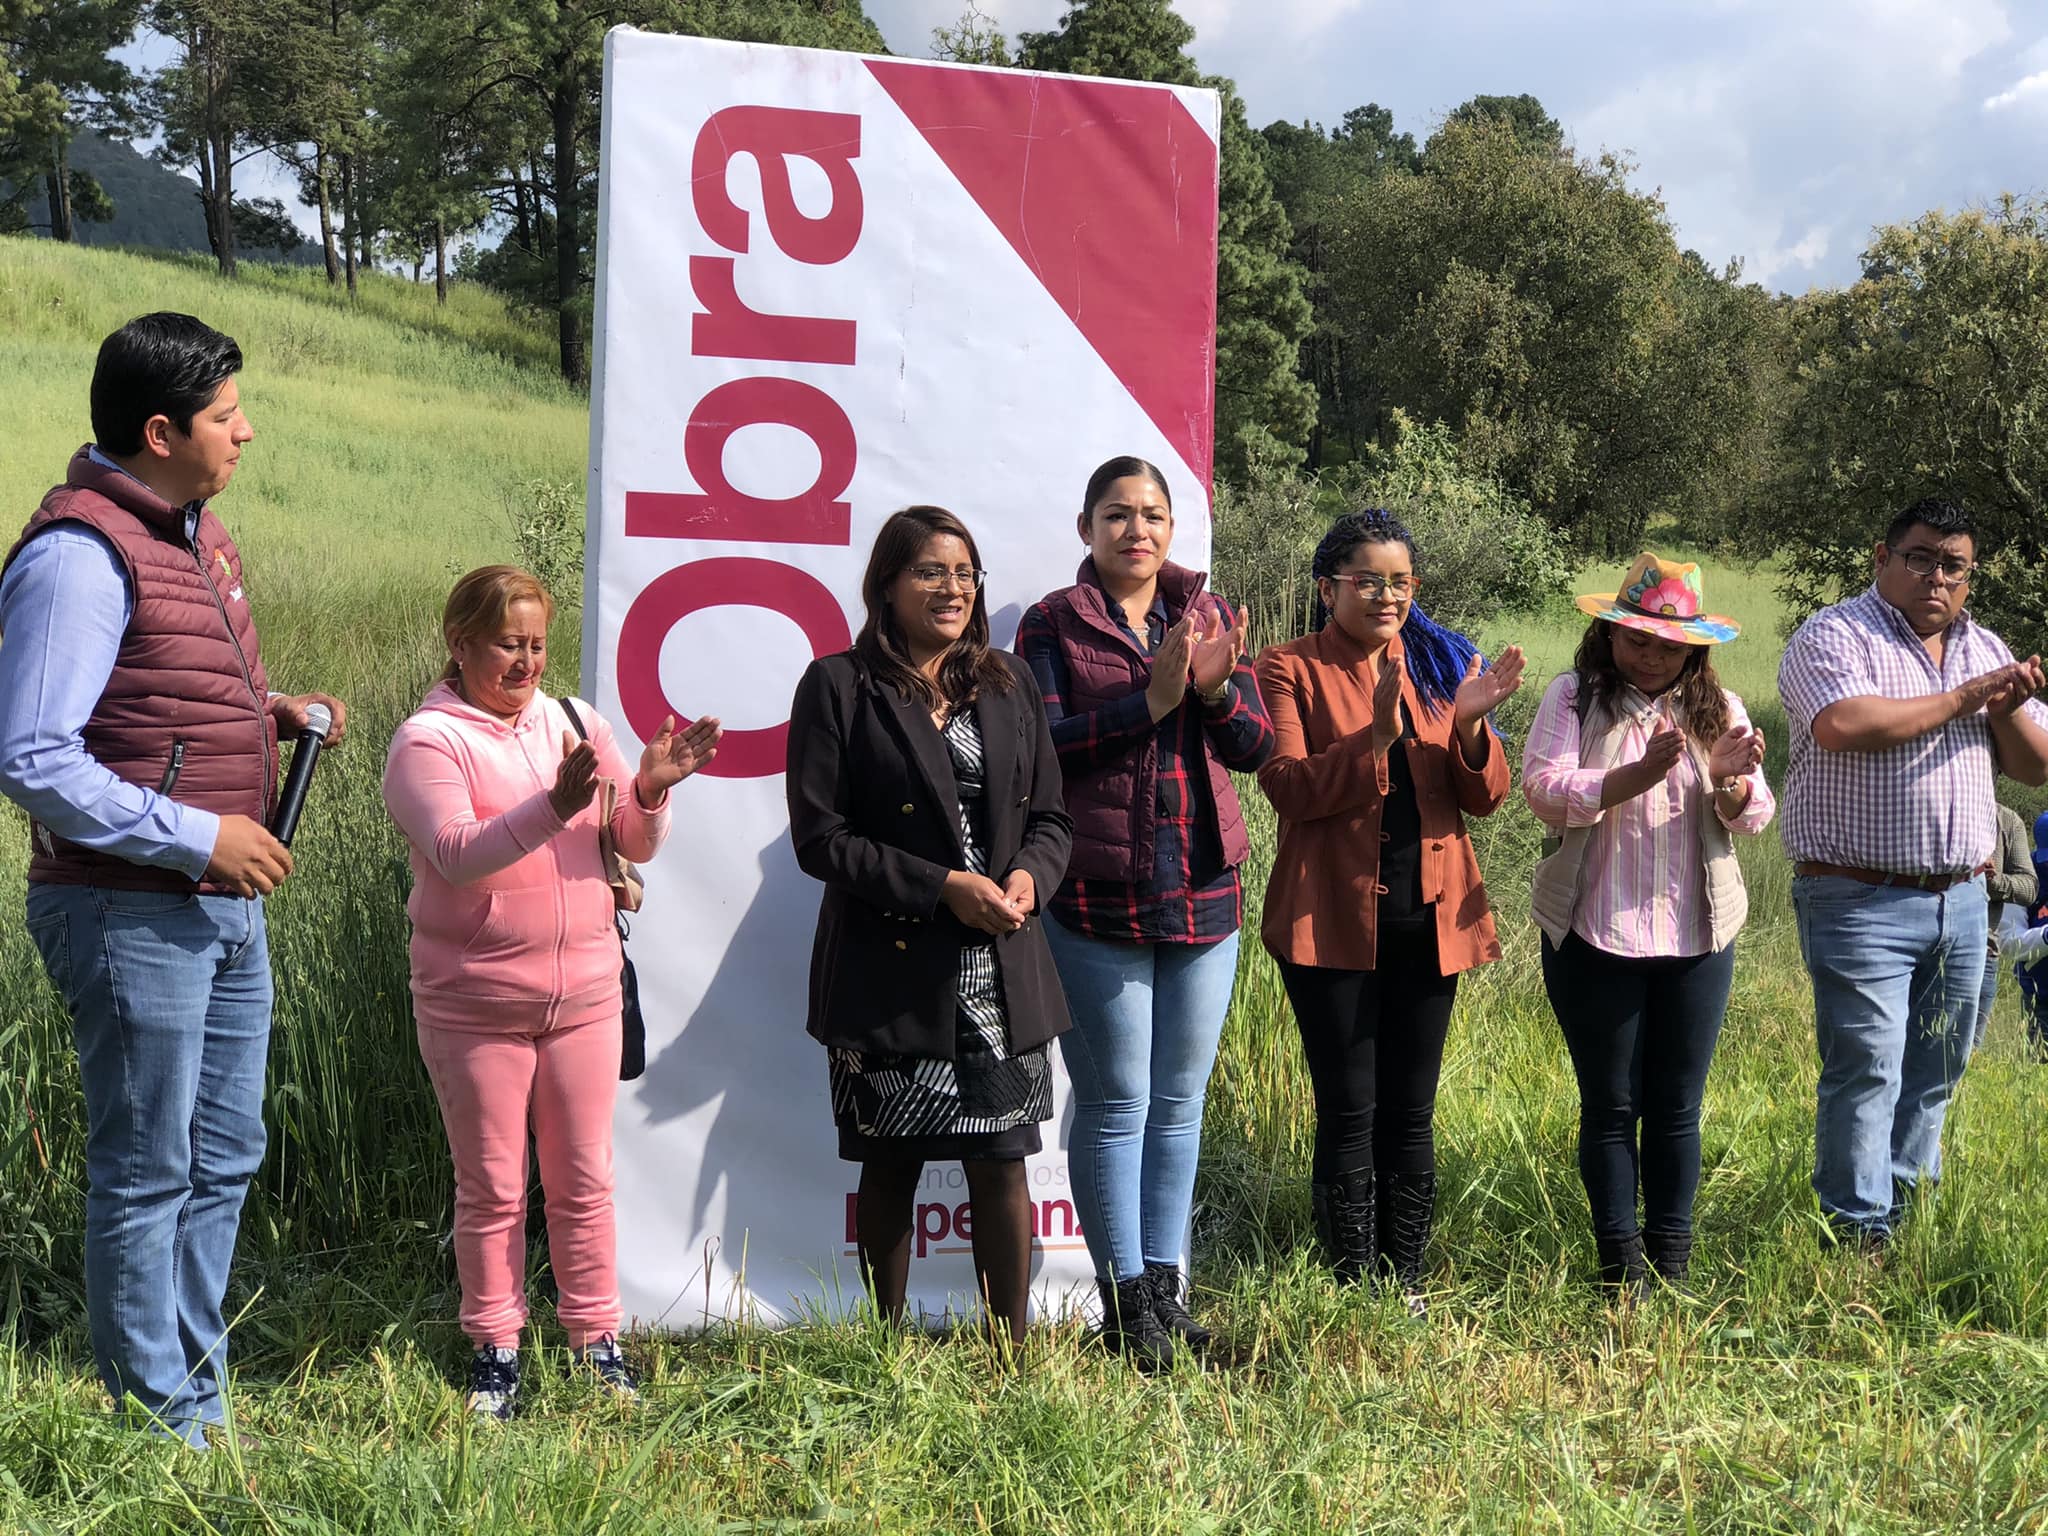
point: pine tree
(1262, 309)
(61, 76)
(323, 113)
(439, 150)
(209, 100)
(1262, 313)
(1523, 116)
(541, 62)
(1312, 172)
(31, 109)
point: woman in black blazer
(925, 792)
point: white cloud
(1780, 134)
(1777, 133)
(1771, 264)
(907, 24)
(1783, 135)
(2033, 86)
(1217, 21)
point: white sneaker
(493, 1383)
(603, 1357)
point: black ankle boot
(1346, 1224)
(1407, 1210)
(1130, 1326)
(1670, 1255)
(1623, 1268)
(1170, 1305)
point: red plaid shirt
(1193, 897)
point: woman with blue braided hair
(1382, 747)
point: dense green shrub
(1482, 551)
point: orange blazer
(1325, 780)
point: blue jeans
(1987, 996)
(1146, 1021)
(1896, 979)
(169, 998)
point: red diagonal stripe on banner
(1108, 193)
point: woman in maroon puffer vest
(1151, 702)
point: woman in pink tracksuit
(515, 961)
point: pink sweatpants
(491, 1084)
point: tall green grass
(393, 445)
(1800, 1393)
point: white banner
(830, 286)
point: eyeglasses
(1924, 563)
(1369, 584)
(936, 578)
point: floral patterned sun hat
(1663, 597)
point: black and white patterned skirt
(985, 1102)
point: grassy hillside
(1800, 1393)
(394, 442)
(154, 206)
(413, 423)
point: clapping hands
(1485, 687)
(674, 755)
(2002, 690)
(2014, 684)
(1735, 754)
(1739, 752)
(1386, 705)
(1169, 682)
(1660, 755)
(1203, 648)
(575, 780)
(1215, 645)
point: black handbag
(632, 1023)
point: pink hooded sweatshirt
(511, 915)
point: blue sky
(1779, 132)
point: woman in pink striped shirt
(1643, 769)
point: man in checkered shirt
(1902, 712)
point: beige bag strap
(627, 888)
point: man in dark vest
(138, 732)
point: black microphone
(319, 721)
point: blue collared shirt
(64, 606)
